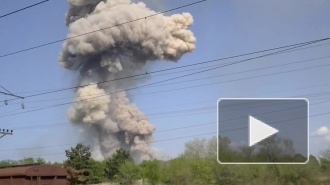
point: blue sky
(222, 29)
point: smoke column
(114, 53)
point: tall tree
(78, 164)
(195, 149)
(275, 149)
(112, 165)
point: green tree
(211, 148)
(112, 165)
(201, 172)
(180, 172)
(28, 160)
(40, 161)
(78, 164)
(325, 160)
(97, 172)
(128, 172)
(8, 163)
(275, 149)
(57, 164)
(325, 164)
(224, 150)
(225, 174)
(195, 149)
(151, 171)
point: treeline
(273, 149)
(196, 166)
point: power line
(153, 142)
(87, 33)
(190, 127)
(182, 76)
(227, 74)
(50, 146)
(92, 98)
(183, 66)
(5, 89)
(36, 4)
(8, 93)
(169, 139)
(218, 64)
(200, 109)
(68, 123)
(302, 61)
(298, 45)
(245, 71)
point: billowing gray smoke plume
(114, 53)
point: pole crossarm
(10, 94)
(4, 132)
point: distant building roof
(42, 170)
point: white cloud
(322, 131)
(322, 134)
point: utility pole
(4, 132)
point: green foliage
(97, 172)
(195, 149)
(79, 165)
(58, 164)
(225, 174)
(150, 170)
(325, 165)
(201, 171)
(25, 161)
(79, 157)
(128, 172)
(112, 165)
(325, 160)
(180, 173)
(197, 166)
(211, 148)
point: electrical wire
(227, 130)
(93, 98)
(295, 46)
(16, 11)
(161, 113)
(170, 79)
(87, 33)
(227, 74)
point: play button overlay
(259, 131)
(263, 131)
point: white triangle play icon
(259, 130)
